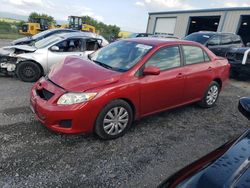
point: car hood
(21, 47)
(238, 50)
(78, 75)
(25, 40)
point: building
(182, 23)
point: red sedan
(125, 81)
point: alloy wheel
(212, 95)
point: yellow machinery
(35, 26)
(40, 24)
(124, 34)
(76, 22)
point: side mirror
(55, 49)
(248, 44)
(151, 70)
(244, 107)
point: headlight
(73, 98)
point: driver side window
(214, 41)
(70, 45)
(92, 45)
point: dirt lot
(157, 146)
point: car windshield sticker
(143, 46)
(206, 36)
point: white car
(29, 63)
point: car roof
(63, 29)
(75, 34)
(154, 41)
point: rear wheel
(114, 120)
(211, 95)
(28, 71)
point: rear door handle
(209, 69)
(180, 75)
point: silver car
(29, 63)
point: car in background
(239, 58)
(219, 43)
(125, 81)
(227, 166)
(29, 63)
(165, 36)
(135, 35)
(44, 34)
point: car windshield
(37, 36)
(198, 37)
(121, 55)
(47, 41)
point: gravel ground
(155, 147)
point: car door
(72, 46)
(198, 71)
(159, 92)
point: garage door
(165, 26)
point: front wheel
(211, 95)
(28, 71)
(114, 120)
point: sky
(129, 15)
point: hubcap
(28, 72)
(212, 95)
(115, 121)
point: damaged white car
(29, 63)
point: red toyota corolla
(124, 81)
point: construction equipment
(35, 26)
(76, 22)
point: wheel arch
(131, 104)
(219, 81)
(33, 61)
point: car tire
(211, 95)
(28, 71)
(114, 120)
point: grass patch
(10, 36)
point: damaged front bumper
(7, 65)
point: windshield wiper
(103, 64)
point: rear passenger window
(226, 40)
(165, 58)
(193, 55)
(206, 58)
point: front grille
(44, 94)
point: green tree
(35, 15)
(105, 30)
